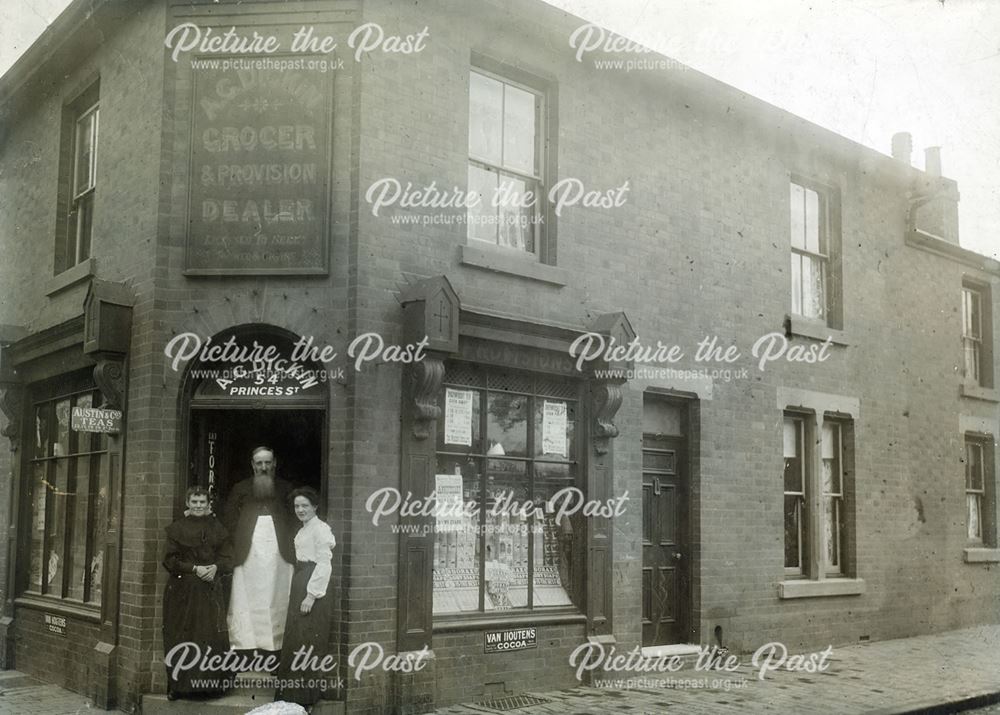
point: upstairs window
(980, 491)
(977, 336)
(80, 144)
(505, 163)
(810, 242)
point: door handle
(678, 555)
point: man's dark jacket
(240, 517)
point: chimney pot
(902, 147)
(932, 160)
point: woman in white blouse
(307, 626)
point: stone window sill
(815, 329)
(71, 276)
(77, 610)
(981, 555)
(803, 588)
(500, 261)
(509, 621)
(977, 392)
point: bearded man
(260, 524)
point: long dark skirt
(302, 631)
(194, 612)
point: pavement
(941, 673)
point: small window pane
(792, 439)
(82, 220)
(39, 493)
(797, 203)
(507, 541)
(519, 130)
(971, 353)
(812, 222)
(482, 215)
(56, 533)
(796, 272)
(80, 499)
(507, 425)
(98, 533)
(42, 430)
(974, 466)
(831, 458)
(813, 298)
(975, 526)
(793, 531)
(516, 213)
(973, 321)
(456, 551)
(790, 436)
(555, 576)
(485, 118)
(832, 528)
(61, 446)
(85, 136)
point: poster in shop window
(458, 417)
(554, 428)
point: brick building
(150, 191)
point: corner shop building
(102, 271)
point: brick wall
(701, 248)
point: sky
(864, 69)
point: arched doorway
(234, 405)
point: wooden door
(666, 558)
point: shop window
(977, 336)
(979, 494)
(78, 182)
(507, 442)
(815, 267)
(66, 496)
(802, 523)
(506, 163)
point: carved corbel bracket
(426, 377)
(109, 375)
(607, 397)
(11, 403)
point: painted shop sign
(288, 380)
(95, 419)
(55, 624)
(509, 640)
(260, 171)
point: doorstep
(229, 705)
(669, 651)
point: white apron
(259, 602)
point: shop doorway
(222, 440)
(261, 397)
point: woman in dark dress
(194, 603)
(309, 607)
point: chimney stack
(902, 147)
(932, 160)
